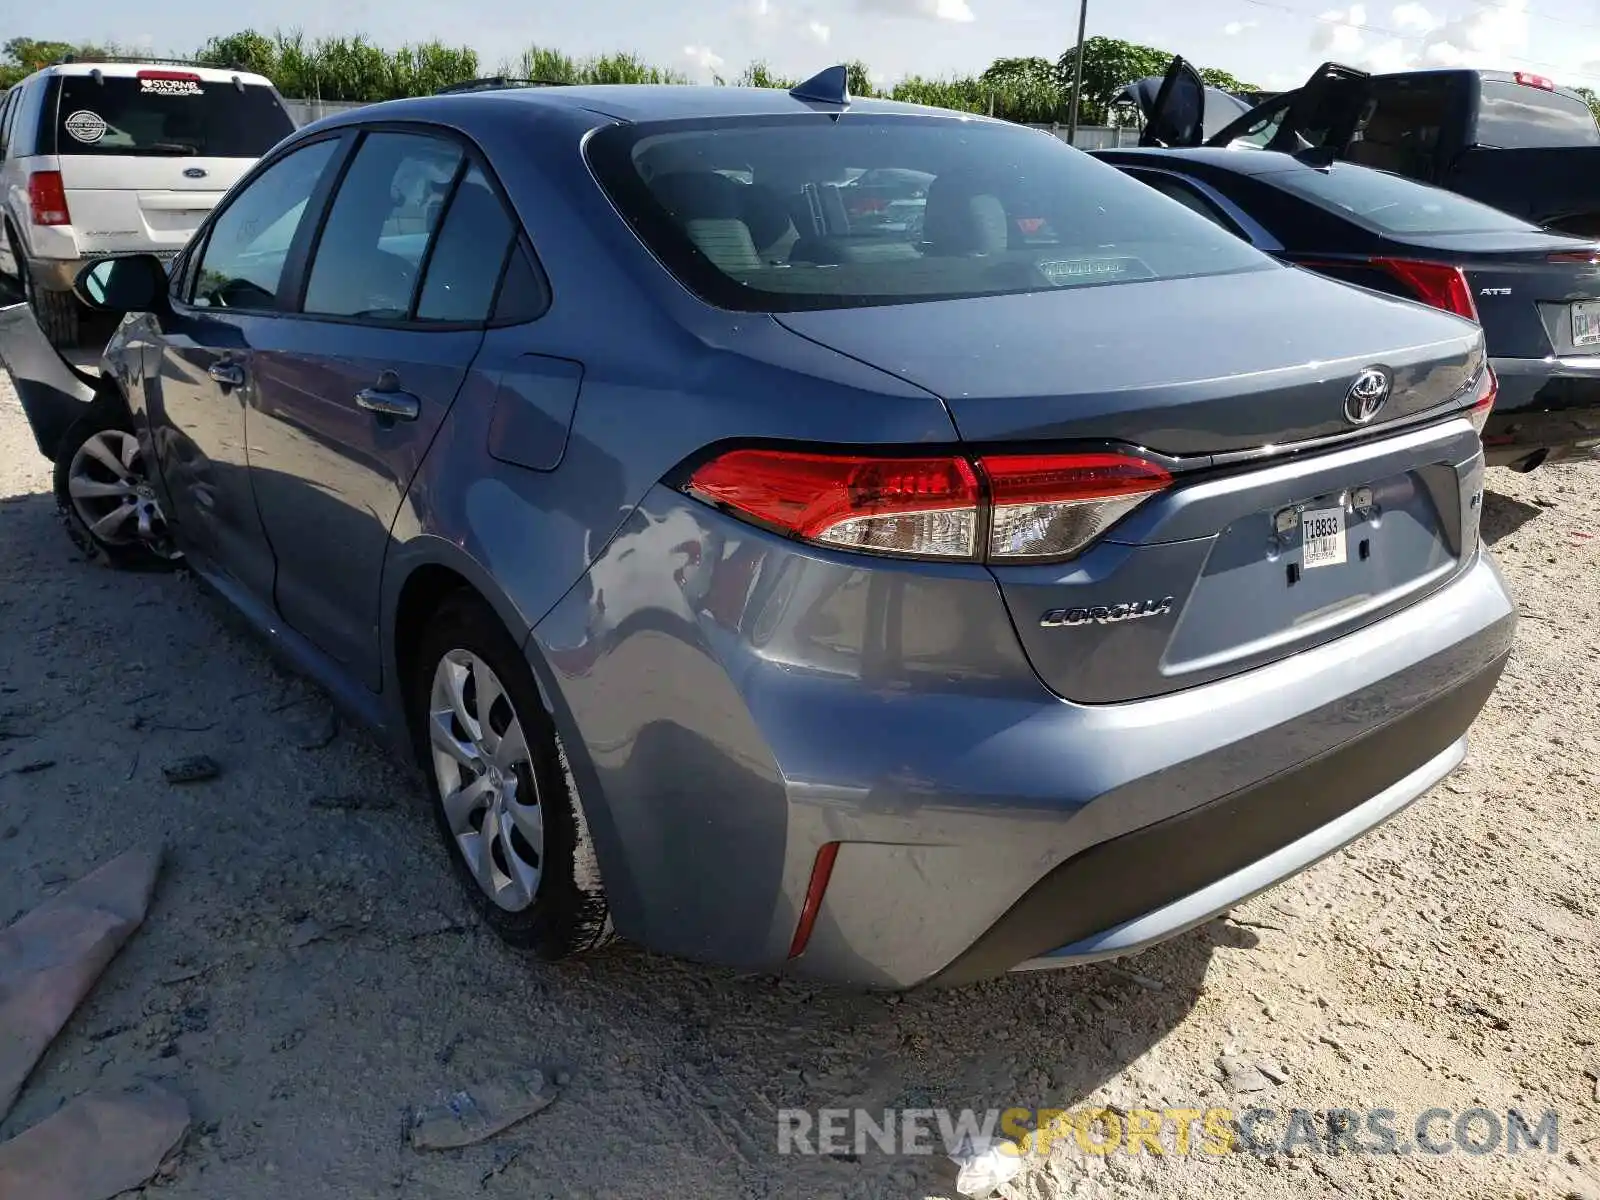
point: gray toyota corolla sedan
(1008, 573)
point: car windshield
(788, 213)
(168, 113)
(1391, 204)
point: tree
(759, 75)
(1591, 99)
(859, 79)
(1218, 78)
(1109, 65)
(1025, 89)
(249, 51)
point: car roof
(633, 103)
(127, 70)
(1238, 161)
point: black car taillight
(1438, 284)
(1023, 507)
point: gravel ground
(309, 973)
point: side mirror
(130, 283)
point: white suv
(101, 158)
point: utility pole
(1077, 74)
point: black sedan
(1536, 293)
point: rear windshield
(1390, 203)
(1513, 115)
(170, 114)
(778, 214)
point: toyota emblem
(1367, 396)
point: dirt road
(309, 974)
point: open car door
(1324, 113)
(1175, 110)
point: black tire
(56, 312)
(124, 549)
(564, 919)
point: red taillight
(47, 199)
(821, 872)
(1483, 401)
(1438, 284)
(1035, 505)
(1529, 80)
(1047, 506)
(186, 76)
(927, 507)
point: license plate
(1322, 537)
(1586, 323)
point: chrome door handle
(228, 374)
(402, 406)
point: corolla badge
(1106, 614)
(1367, 395)
(194, 173)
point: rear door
(349, 395)
(144, 157)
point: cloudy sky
(1273, 43)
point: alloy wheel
(485, 780)
(112, 494)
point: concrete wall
(306, 111)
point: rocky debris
(313, 731)
(1592, 1071)
(197, 768)
(305, 933)
(468, 1117)
(96, 1147)
(34, 767)
(1272, 1070)
(1242, 1077)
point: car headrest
(963, 218)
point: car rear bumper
(770, 701)
(1547, 410)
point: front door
(199, 396)
(350, 394)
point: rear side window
(167, 113)
(788, 213)
(468, 255)
(1515, 116)
(369, 253)
(1390, 204)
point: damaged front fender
(53, 392)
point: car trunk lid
(1199, 366)
(1277, 533)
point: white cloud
(819, 31)
(1235, 28)
(936, 10)
(1413, 16)
(1494, 35)
(704, 57)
